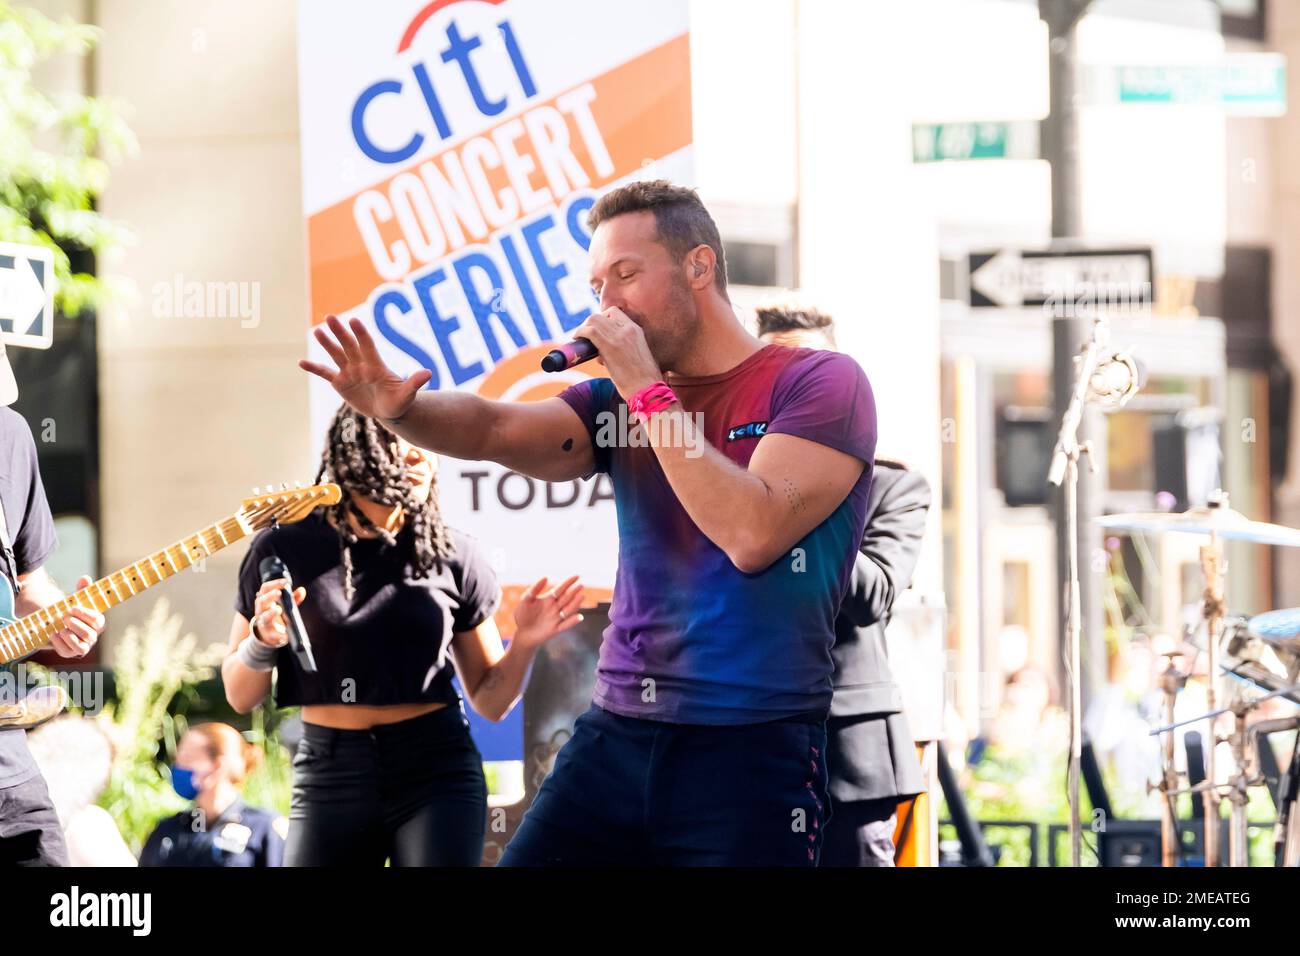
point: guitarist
(29, 827)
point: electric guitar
(20, 637)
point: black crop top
(390, 643)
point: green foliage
(55, 153)
(1027, 785)
(156, 669)
(271, 785)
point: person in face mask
(212, 762)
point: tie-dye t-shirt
(691, 638)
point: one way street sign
(1063, 281)
(26, 296)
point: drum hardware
(1286, 834)
(1269, 767)
(1286, 838)
(1265, 652)
(1245, 743)
(1239, 784)
(1172, 680)
(1220, 522)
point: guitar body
(42, 703)
(7, 615)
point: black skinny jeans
(411, 792)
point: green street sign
(1247, 84)
(947, 142)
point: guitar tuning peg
(297, 484)
(257, 489)
(284, 486)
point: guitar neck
(33, 631)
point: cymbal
(1223, 521)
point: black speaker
(1024, 453)
(1187, 456)
(1137, 842)
(1130, 843)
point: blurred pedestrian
(212, 763)
(76, 759)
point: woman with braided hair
(393, 602)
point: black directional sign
(1118, 279)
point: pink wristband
(650, 399)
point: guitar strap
(11, 563)
(10, 571)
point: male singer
(738, 525)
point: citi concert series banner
(450, 152)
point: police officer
(212, 762)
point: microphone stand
(1065, 468)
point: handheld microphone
(568, 355)
(272, 568)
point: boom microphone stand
(1065, 469)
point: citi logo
(469, 54)
(75, 908)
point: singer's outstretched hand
(362, 379)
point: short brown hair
(681, 221)
(778, 318)
(222, 740)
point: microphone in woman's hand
(568, 355)
(271, 569)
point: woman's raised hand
(542, 614)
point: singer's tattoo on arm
(793, 496)
(568, 444)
